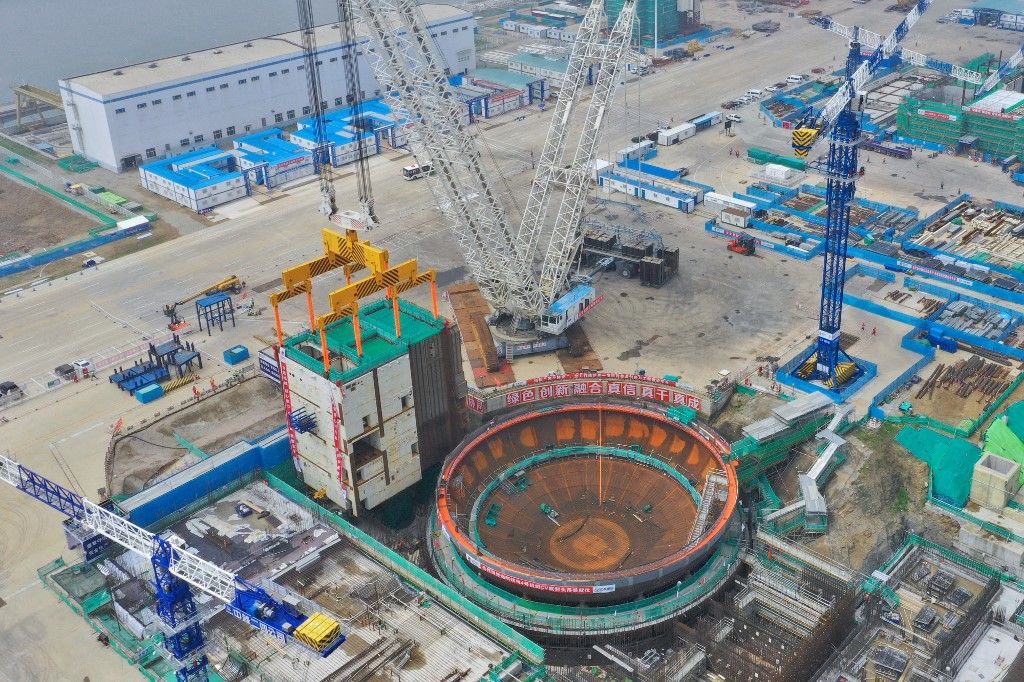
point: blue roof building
(200, 179)
(272, 158)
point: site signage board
(562, 388)
(941, 116)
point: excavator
(232, 284)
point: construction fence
(144, 655)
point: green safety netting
(951, 461)
(759, 155)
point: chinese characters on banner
(625, 386)
(546, 587)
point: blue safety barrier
(761, 203)
(715, 229)
(923, 144)
(786, 375)
(881, 310)
(925, 222)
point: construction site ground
(943, 403)
(30, 219)
(690, 328)
(741, 410)
(242, 412)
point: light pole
(655, 29)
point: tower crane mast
(840, 118)
(175, 571)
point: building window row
(272, 74)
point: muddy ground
(30, 219)
(245, 411)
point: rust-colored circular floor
(641, 515)
(585, 501)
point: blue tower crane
(841, 118)
(871, 40)
(175, 572)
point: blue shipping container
(149, 393)
(236, 354)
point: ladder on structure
(715, 483)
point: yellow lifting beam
(345, 250)
(345, 301)
(340, 251)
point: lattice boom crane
(175, 571)
(840, 117)
(500, 258)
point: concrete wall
(377, 415)
(995, 481)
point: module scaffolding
(215, 309)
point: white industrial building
(551, 70)
(124, 117)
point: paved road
(95, 312)
(120, 302)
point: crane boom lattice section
(553, 153)
(566, 235)
(412, 75)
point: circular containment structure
(587, 518)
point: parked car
(735, 118)
(771, 88)
(818, 70)
(10, 389)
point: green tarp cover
(951, 460)
(1005, 437)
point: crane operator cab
(565, 311)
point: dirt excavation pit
(243, 412)
(29, 219)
